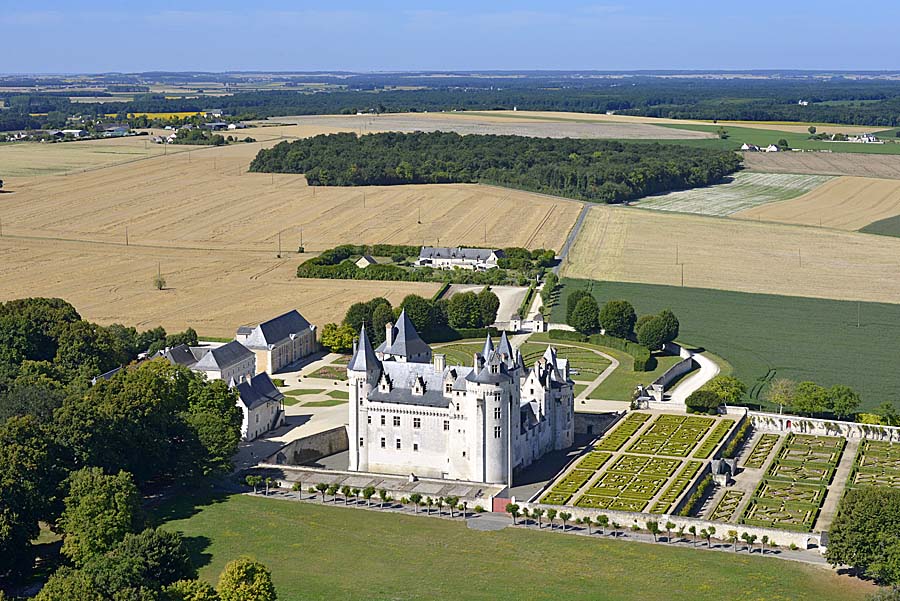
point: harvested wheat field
(25, 159)
(741, 192)
(211, 291)
(825, 163)
(207, 199)
(519, 123)
(627, 245)
(847, 203)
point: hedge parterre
(761, 451)
(727, 506)
(714, 439)
(672, 435)
(677, 486)
(877, 464)
(623, 432)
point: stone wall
(595, 424)
(311, 448)
(778, 423)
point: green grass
(339, 394)
(588, 364)
(579, 388)
(763, 137)
(460, 353)
(767, 336)
(889, 226)
(325, 553)
(328, 403)
(304, 391)
(330, 372)
(620, 384)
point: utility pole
(126, 235)
(682, 275)
(301, 235)
(279, 244)
(799, 258)
(858, 308)
(676, 253)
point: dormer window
(448, 387)
(418, 386)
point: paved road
(573, 234)
(709, 369)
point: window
(497, 413)
(369, 419)
(415, 446)
(360, 441)
(448, 387)
(382, 420)
(417, 422)
(383, 445)
(398, 444)
(397, 422)
(496, 431)
(464, 453)
(446, 425)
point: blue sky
(54, 36)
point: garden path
(838, 485)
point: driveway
(511, 297)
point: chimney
(388, 334)
(440, 362)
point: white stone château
(410, 413)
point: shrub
(478, 509)
(567, 335)
(643, 359)
(703, 401)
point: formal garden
(793, 490)
(761, 451)
(877, 464)
(672, 435)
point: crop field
(320, 553)
(877, 464)
(28, 159)
(765, 337)
(884, 227)
(825, 163)
(846, 203)
(206, 199)
(746, 190)
(653, 247)
(795, 486)
(211, 291)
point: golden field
(825, 163)
(212, 291)
(629, 245)
(847, 203)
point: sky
(91, 36)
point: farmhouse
(280, 341)
(262, 406)
(365, 260)
(75, 133)
(750, 147)
(232, 362)
(411, 413)
(479, 259)
(772, 148)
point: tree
(652, 333)
(322, 488)
(584, 317)
(602, 522)
(440, 504)
(420, 312)
(246, 580)
(565, 516)
(381, 316)
(617, 318)
(253, 481)
(587, 521)
(843, 400)
(150, 560)
(765, 541)
(415, 499)
(551, 515)
(865, 532)
(538, 513)
(359, 315)
(782, 393)
(429, 502)
(572, 301)
(67, 584)
(615, 529)
(703, 401)
(707, 536)
(464, 310)
(159, 282)
(733, 538)
(190, 590)
(338, 339)
(729, 389)
(345, 490)
(810, 398)
(99, 511)
(693, 532)
(783, 144)
(367, 493)
(451, 503)
(888, 413)
(27, 483)
(653, 527)
(669, 527)
(513, 510)
(490, 304)
(551, 281)
(812, 130)
(333, 491)
(383, 496)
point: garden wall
(775, 422)
(312, 448)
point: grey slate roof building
(257, 391)
(224, 356)
(278, 329)
(403, 343)
(466, 258)
(184, 355)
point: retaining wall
(778, 423)
(311, 448)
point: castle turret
(363, 372)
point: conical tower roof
(488, 347)
(364, 358)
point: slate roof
(468, 254)
(402, 377)
(257, 391)
(276, 330)
(224, 356)
(364, 358)
(181, 354)
(405, 340)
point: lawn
(327, 403)
(304, 391)
(767, 336)
(319, 553)
(330, 372)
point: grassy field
(745, 191)
(847, 203)
(884, 227)
(627, 245)
(766, 336)
(824, 163)
(320, 553)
